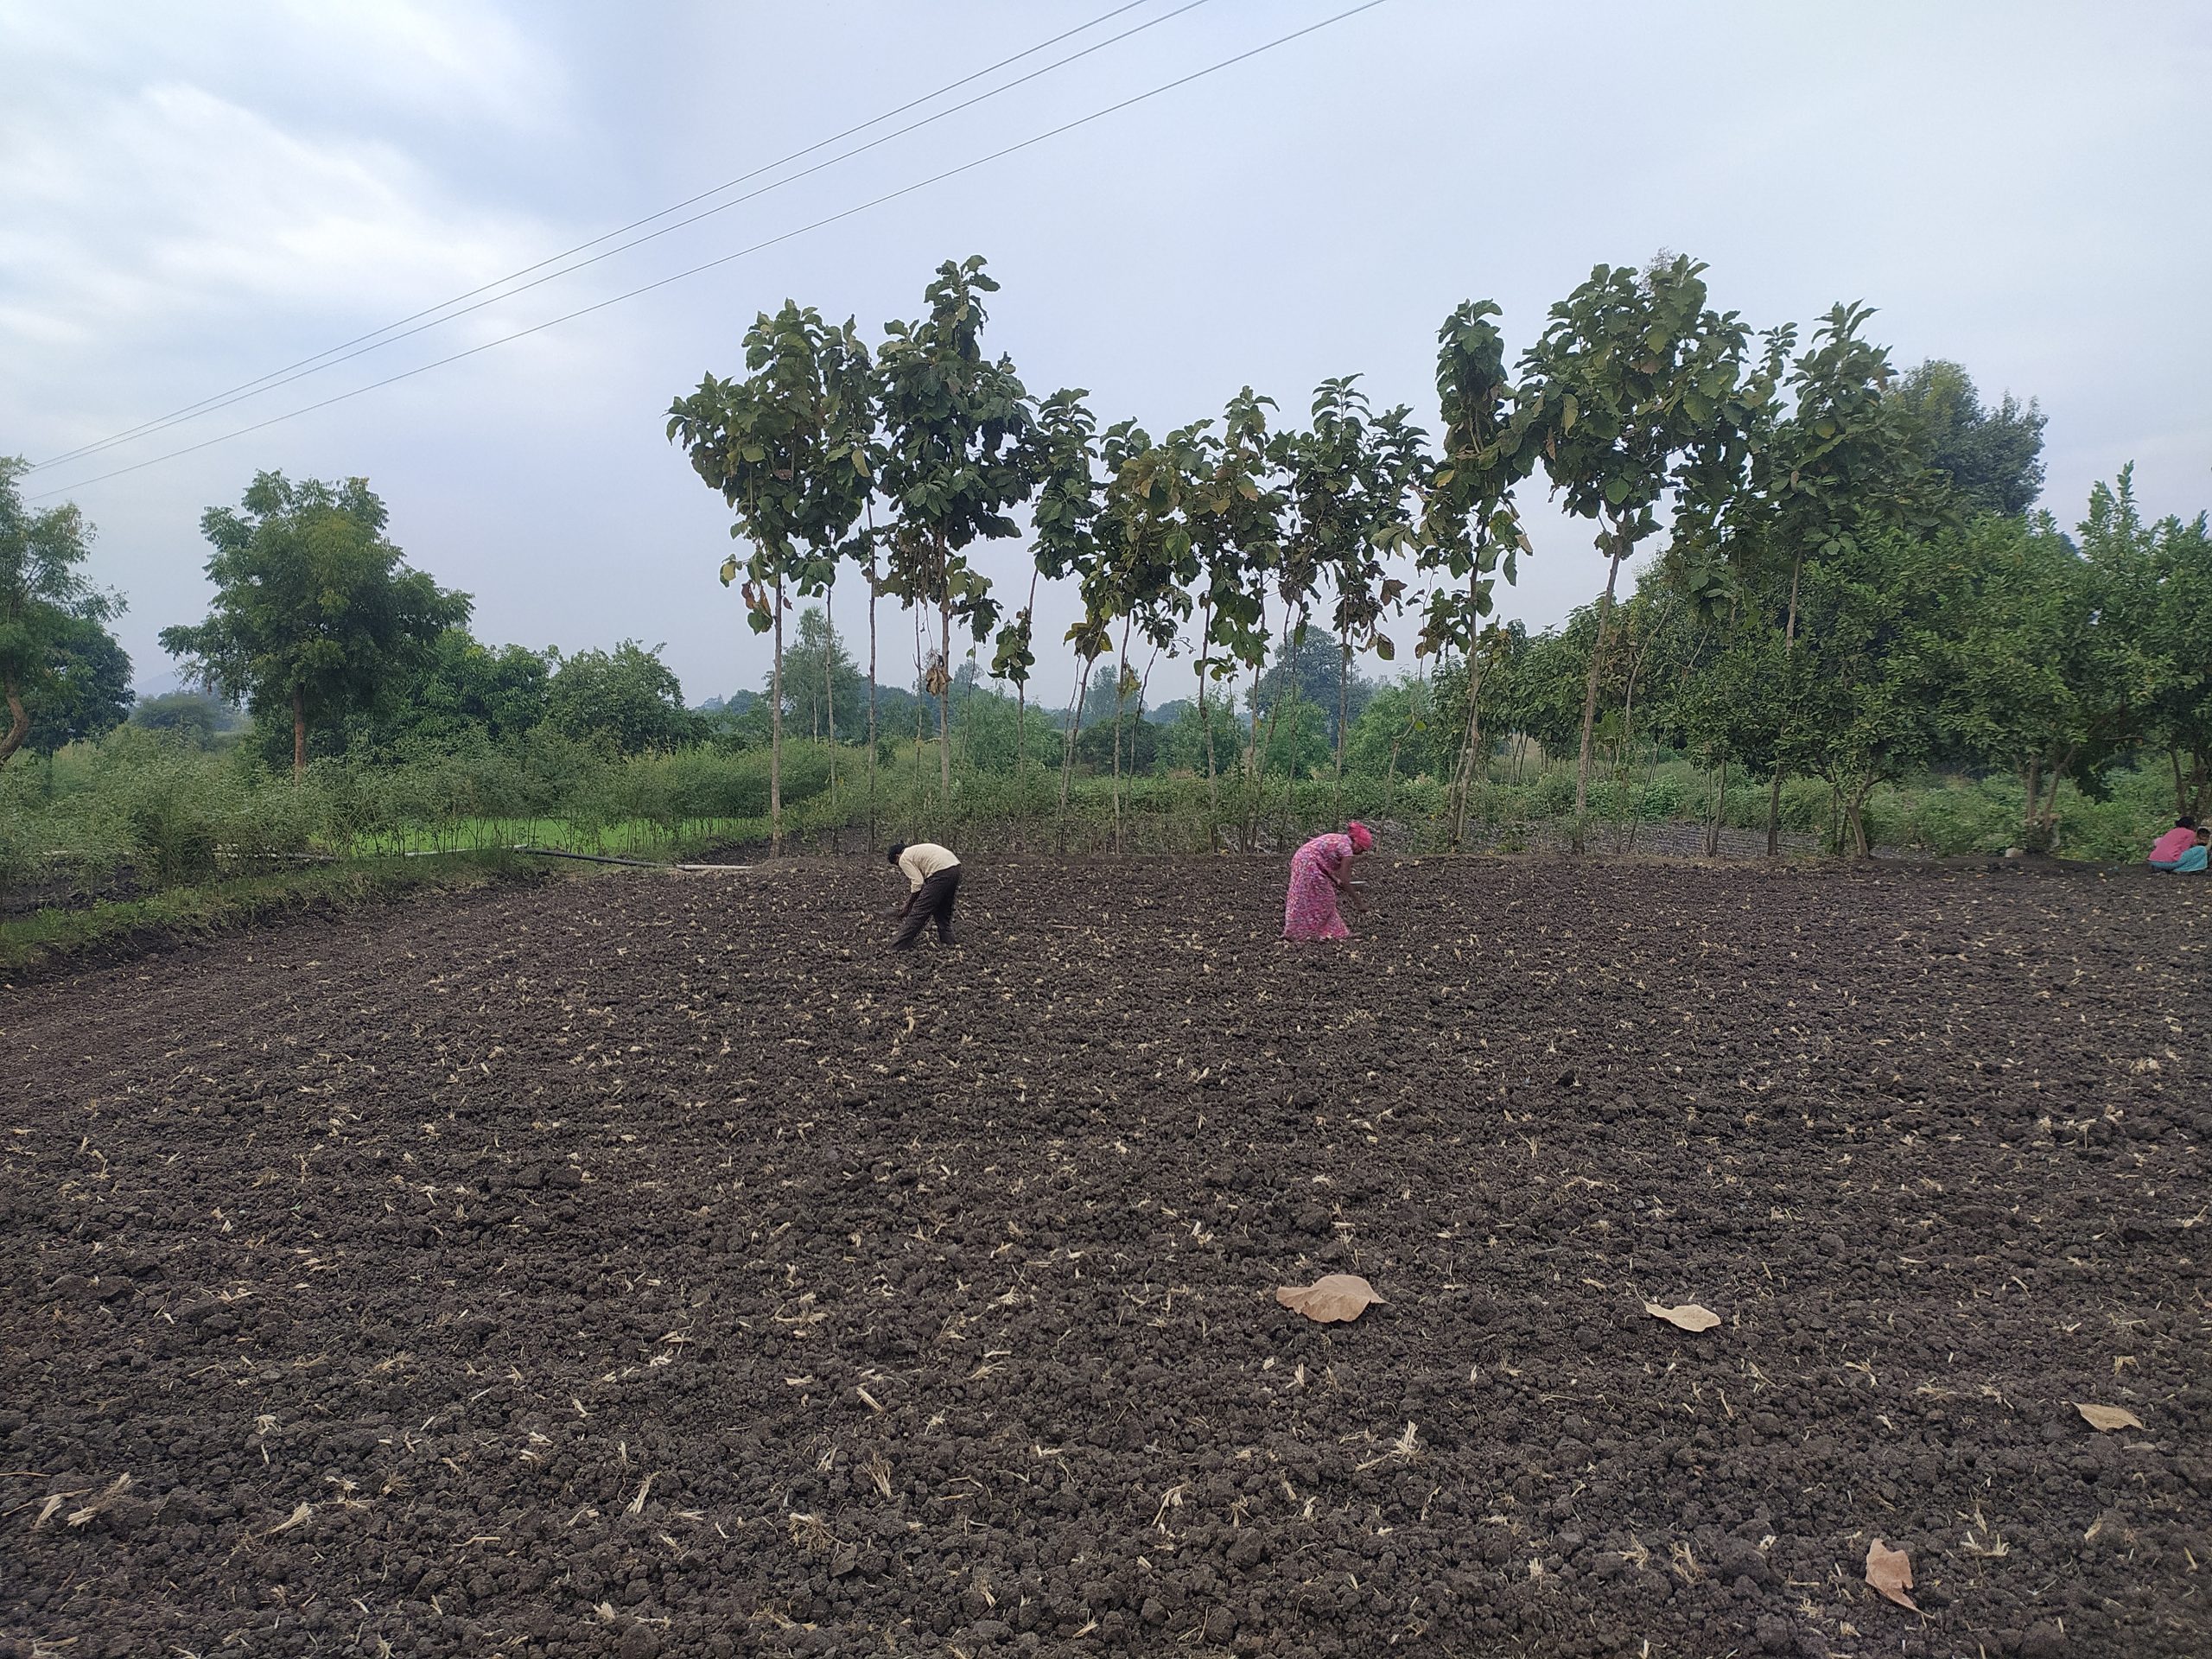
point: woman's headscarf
(1362, 836)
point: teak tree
(787, 446)
(1233, 506)
(1144, 564)
(956, 453)
(1063, 463)
(1349, 477)
(1471, 530)
(315, 614)
(1637, 391)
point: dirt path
(655, 1266)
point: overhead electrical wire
(769, 242)
(312, 363)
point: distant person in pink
(1319, 872)
(2181, 849)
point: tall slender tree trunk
(2189, 788)
(1719, 805)
(1121, 680)
(829, 698)
(19, 718)
(2048, 828)
(1788, 649)
(1343, 682)
(944, 698)
(776, 735)
(299, 734)
(1628, 737)
(1292, 830)
(871, 678)
(1067, 748)
(921, 696)
(1262, 753)
(1022, 714)
(1471, 748)
(1650, 770)
(1206, 727)
(1854, 815)
(1590, 693)
(1144, 700)
(1255, 777)
(2034, 790)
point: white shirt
(923, 860)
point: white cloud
(446, 57)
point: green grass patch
(48, 942)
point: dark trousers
(935, 900)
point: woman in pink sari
(1319, 872)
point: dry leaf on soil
(1688, 1317)
(1337, 1296)
(1890, 1571)
(2108, 1417)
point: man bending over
(932, 883)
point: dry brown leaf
(2107, 1418)
(1329, 1300)
(1688, 1317)
(1890, 1571)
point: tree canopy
(626, 698)
(47, 604)
(316, 615)
(1992, 459)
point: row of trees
(1803, 496)
(1847, 582)
(1998, 645)
(318, 628)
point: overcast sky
(191, 197)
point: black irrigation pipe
(603, 858)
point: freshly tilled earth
(656, 1265)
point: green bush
(1952, 819)
(2113, 831)
(1806, 803)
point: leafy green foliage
(46, 605)
(626, 698)
(1308, 670)
(1865, 687)
(2155, 589)
(1991, 459)
(316, 615)
(788, 446)
(87, 690)
(191, 717)
(1638, 392)
(825, 694)
(958, 450)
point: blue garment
(2190, 861)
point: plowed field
(655, 1266)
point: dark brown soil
(653, 1265)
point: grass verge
(51, 942)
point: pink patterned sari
(1310, 912)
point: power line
(270, 380)
(757, 247)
